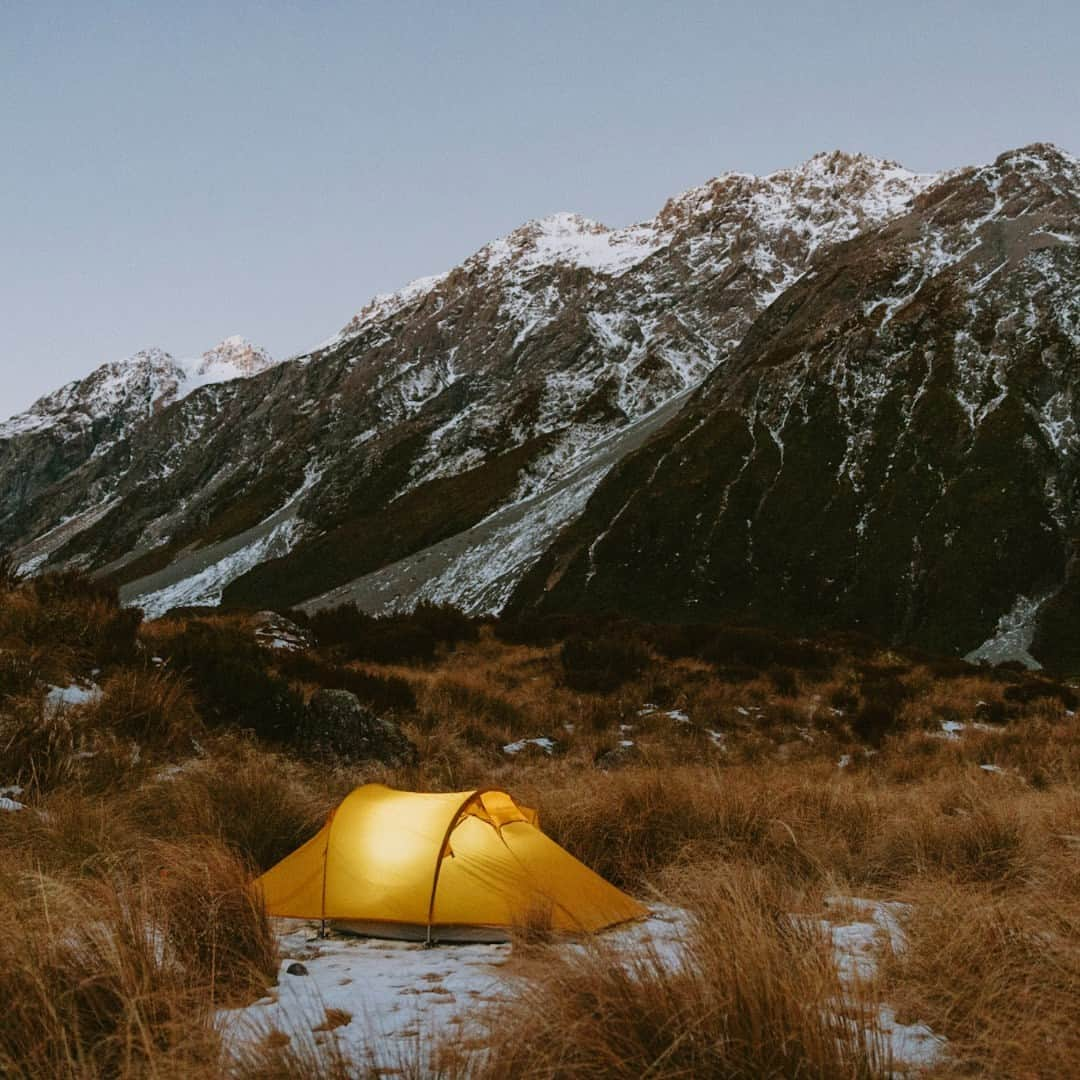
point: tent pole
(325, 857)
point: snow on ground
(9, 799)
(859, 931)
(390, 1003)
(60, 697)
(545, 744)
(402, 999)
(399, 997)
(950, 729)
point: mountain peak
(1037, 153)
(150, 355)
(238, 353)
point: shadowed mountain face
(893, 446)
(505, 383)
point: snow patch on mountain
(573, 240)
(271, 539)
(1013, 636)
(205, 588)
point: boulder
(337, 725)
(274, 631)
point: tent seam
(442, 848)
(326, 856)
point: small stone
(296, 969)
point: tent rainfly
(466, 866)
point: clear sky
(175, 172)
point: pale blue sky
(171, 173)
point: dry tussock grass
(114, 974)
(753, 995)
(259, 803)
(123, 917)
(1000, 974)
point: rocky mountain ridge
(832, 349)
(892, 447)
(132, 388)
(442, 404)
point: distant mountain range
(842, 395)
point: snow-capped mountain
(131, 390)
(893, 446)
(461, 396)
(441, 442)
(87, 418)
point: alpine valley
(843, 395)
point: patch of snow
(1014, 634)
(856, 946)
(400, 997)
(950, 728)
(206, 588)
(60, 697)
(545, 744)
(33, 565)
(280, 534)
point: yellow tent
(467, 865)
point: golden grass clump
(999, 974)
(152, 708)
(753, 994)
(114, 975)
(257, 802)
